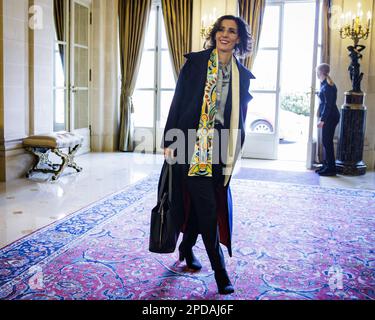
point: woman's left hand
(320, 124)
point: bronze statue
(354, 68)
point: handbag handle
(166, 173)
(170, 182)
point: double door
(72, 71)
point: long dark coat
(184, 114)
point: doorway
(72, 68)
(278, 119)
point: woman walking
(204, 133)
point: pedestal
(352, 135)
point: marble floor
(30, 204)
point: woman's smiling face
(227, 36)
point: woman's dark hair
(242, 49)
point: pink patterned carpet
(290, 241)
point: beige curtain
(133, 19)
(326, 34)
(325, 57)
(252, 11)
(59, 19)
(105, 77)
(178, 16)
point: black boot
(322, 167)
(191, 260)
(328, 172)
(223, 283)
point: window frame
(62, 126)
(157, 88)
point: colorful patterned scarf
(201, 162)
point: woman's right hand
(168, 153)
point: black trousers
(203, 220)
(328, 133)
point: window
(155, 83)
(261, 115)
(60, 67)
(284, 71)
(286, 44)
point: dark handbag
(164, 230)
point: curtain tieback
(128, 99)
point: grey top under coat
(222, 89)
